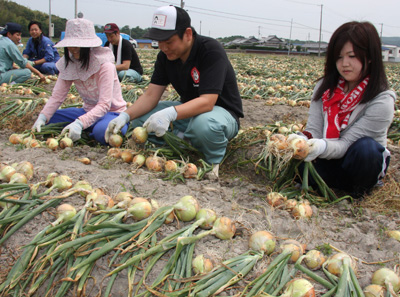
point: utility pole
(381, 29)
(50, 19)
(200, 27)
(182, 4)
(290, 36)
(320, 29)
(76, 8)
(259, 32)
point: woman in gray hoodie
(351, 111)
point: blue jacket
(46, 50)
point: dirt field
(357, 229)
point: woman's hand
(75, 130)
(317, 147)
(41, 121)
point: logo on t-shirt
(195, 75)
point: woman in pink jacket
(91, 68)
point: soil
(354, 228)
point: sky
(289, 19)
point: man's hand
(40, 121)
(159, 121)
(115, 125)
(75, 130)
(317, 147)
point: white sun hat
(80, 33)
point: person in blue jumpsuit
(40, 50)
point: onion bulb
(115, 140)
(190, 171)
(385, 276)
(334, 264)
(62, 182)
(224, 228)
(7, 172)
(202, 265)
(171, 166)
(302, 210)
(103, 202)
(114, 152)
(52, 143)
(283, 130)
(139, 135)
(276, 199)
(94, 194)
(24, 167)
(294, 247)
(138, 160)
(123, 199)
(374, 291)
(15, 138)
(65, 212)
(18, 178)
(170, 218)
(50, 178)
(394, 234)
(84, 160)
(139, 208)
(300, 148)
(154, 163)
(209, 217)
(262, 241)
(290, 204)
(66, 142)
(83, 184)
(126, 156)
(278, 142)
(299, 287)
(314, 259)
(186, 209)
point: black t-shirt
(128, 53)
(206, 71)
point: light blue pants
(97, 130)
(15, 75)
(129, 75)
(208, 132)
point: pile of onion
(262, 241)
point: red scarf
(338, 108)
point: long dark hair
(84, 57)
(367, 49)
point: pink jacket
(101, 91)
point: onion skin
(171, 166)
(394, 234)
(383, 275)
(299, 287)
(65, 212)
(290, 204)
(85, 160)
(115, 140)
(186, 209)
(208, 215)
(278, 142)
(138, 161)
(314, 259)
(202, 265)
(190, 171)
(154, 163)
(293, 246)
(7, 172)
(18, 178)
(52, 143)
(276, 199)
(224, 228)
(300, 148)
(114, 152)
(302, 210)
(83, 184)
(126, 156)
(170, 218)
(26, 168)
(334, 264)
(139, 135)
(374, 291)
(66, 142)
(15, 138)
(262, 241)
(140, 208)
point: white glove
(75, 130)
(158, 122)
(115, 125)
(294, 136)
(41, 121)
(317, 147)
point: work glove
(317, 147)
(40, 121)
(115, 125)
(159, 122)
(296, 135)
(75, 130)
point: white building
(390, 53)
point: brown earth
(357, 229)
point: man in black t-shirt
(200, 71)
(126, 59)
